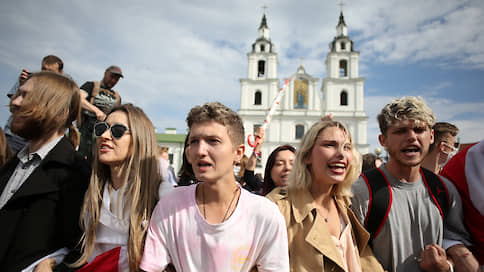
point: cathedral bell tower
(342, 88)
(261, 85)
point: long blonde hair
(140, 188)
(300, 176)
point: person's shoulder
(181, 192)
(163, 162)
(264, 212)
(87, 86)
(359, 185)
(451, 189)
(278, 194)
(177, 197)
(258, 203)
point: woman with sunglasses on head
(323, 233)
(122, 192)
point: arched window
(262, 48)
(299, 131)
(343, 98)
(343, 68)
(258, 98)
(261, 68)
(343, 45)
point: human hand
(434, 259)
(260, 133)
(328, 117)
(23, 76)
(463, 259)
(100, 115)
(45, 265)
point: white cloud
(429, 30)
(177, 54)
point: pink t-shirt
(254, 235)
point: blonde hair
(140, 187)
(405, 108)
(300, 177)
(162, 149)
(55, 103)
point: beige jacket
(311, 247)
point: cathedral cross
(265, 7)
(341, 4)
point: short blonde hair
(405, 108)
(162, 149)
(301, 176)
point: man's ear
(239, 153)
(382, 139)
(431, 136)
(441, 147)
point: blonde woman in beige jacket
(323, 233)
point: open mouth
(337, 166)
(411, 150)
(203, 165)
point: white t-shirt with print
(254, 235)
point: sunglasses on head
(117, 130)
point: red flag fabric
(106, 262)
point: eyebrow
(328, 141)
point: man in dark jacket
(42, 187)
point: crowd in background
(104, 197)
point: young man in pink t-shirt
(215, 225)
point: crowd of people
(108, 199)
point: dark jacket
(43, 215)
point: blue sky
(177, 54)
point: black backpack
(380, 197)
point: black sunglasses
(117, 130)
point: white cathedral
(302, 105)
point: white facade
(342, 88)
(302, 104)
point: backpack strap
(380, 197)
(380, 200)
(437, 190)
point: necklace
(228, 208)
(326, 218)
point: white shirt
(28, 162)
(254, 235)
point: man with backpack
(414, 216)
(98, 97)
